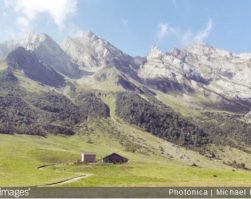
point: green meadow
(21, 155)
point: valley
(182, 118)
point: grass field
(20, 155)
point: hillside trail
(68, 180)
(64, 181)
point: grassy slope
(28, 84)
(153, 162)
(21, 155)
(107, 85)
(3, 66)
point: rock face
(165, 72)
(171, 66)
(33, 68)
(93, 53)
(159, 65)
(225, 72)
(216, 69)
(216, 62)
(50, 53)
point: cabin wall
(88, 158)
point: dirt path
(68, 180)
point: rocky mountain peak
(93, 53)
(28, 63)
(200, 62)
(32, 40)
(88, 35)
(49, 52)
(155, 52)
(200, 49)
(203, 49)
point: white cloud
(185, 37)
(29, 10)
(189, 37)
(164, 29)
(203, 34)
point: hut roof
(114, 154)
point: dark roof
(115, 155)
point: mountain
(25, 61)
(93, 53)
(190, 84)
(200, 62)
(163, 71)
(225, 69)
(50, 53)
(200, 68)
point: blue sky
(134, 25)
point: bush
(160, 122)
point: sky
(134, 26)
